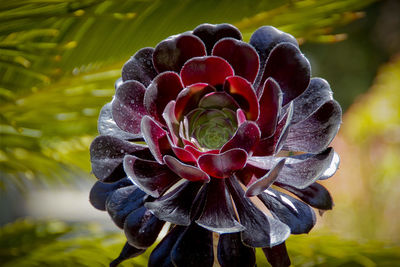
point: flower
(229, 128)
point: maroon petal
(266, 181)
(189, 98)
(270, 104)
(107, 126)
(240, 55)
(233, 253)
(317, 93)
(224, 164)
(176, 206)
(211, 70)
(155, 137)
(218, 214)
(151, 177)
(107, 154)
(261, 229)
(287, 65)
(164, 88)
(197, 153)
(140, 67)
(246, 137)
(183, 154)
(172, 53)
(240, 116)
(185, 171)
(243, 92)
(210, 34)
(277, 255)
(171, 121)
(316, 132)
(218, 100)
(141, 228)
(127, 106)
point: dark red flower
(223, 121)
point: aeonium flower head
(229, 128)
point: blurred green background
(58, 64)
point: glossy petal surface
(224, 164)
(155, 137)
(233, 253)
(186, 171)
(246, 137)
(140, 67)
(100, 192)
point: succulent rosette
(222, 139)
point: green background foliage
(58, 63)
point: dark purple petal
(194, 248)
(314, 195)
(172, 53)
(317, 93)
(240, 55)
(299, 171)
(224, 164)
(155, 137)
(243, 92)
(277, 256)
(107, 154)
(100, 191)
(127, 106)
(141, 228)
(171, 121)
(140, 67)
(246, 137)
(298, 216)
(333, 167)
(270, 105)
(210, 34)
(176, 206)
(315, 133)
(161, 255)
(233, 253)
(122, 202)
(151, 177)
(186, 171)
(218, 214)
(164, 88)
(107, 126)
(266, 181)
(127, 252)
(261, 229)
(218, 100)
(264, 39)
(211, 70)
(287, 65)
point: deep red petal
(155, 137)
(224, 164)
(246, 138)
(185, 171)
(140, 67)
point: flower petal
(140, 67)
(314, 195)
(172, 53)
(218, 214)
(107, 126)
(266, 181)
(122, 202)
(176, 206)
(333, 167)
(246, 137)
(233, 253)
(270, 105)
(242, 91)
(298, 216)
(161, 254)
(194, 248)
(100, 191)
(107, 154)
(127, 106)
(317, 93)
(127, 252)
(210, 34)
(224, 164)
(211, 70)
(155, 137)
(261, 229)
(185, 171)
(141, 228)
(315, 133)
(218, 100)
(151, 177)
(277, 255)
(164, 88)
(240, 55)
(287, 65)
